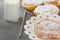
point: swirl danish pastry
(31, 4)
(46, 28)
(48, 8)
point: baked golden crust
(47, 8)
(58, 4)
(35, 13)
(32, 7)
(29, 7)
(42, 34)
(54, 3)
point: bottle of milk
(12, 10)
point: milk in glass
(12, 10)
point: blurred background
(9, 31)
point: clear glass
(12, 10)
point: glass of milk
(12, 10)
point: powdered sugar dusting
(50, 26)
(33, 2)
(46, 29)
(47, 1)
(48, 8)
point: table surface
(9, 31)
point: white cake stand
(29, 28)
